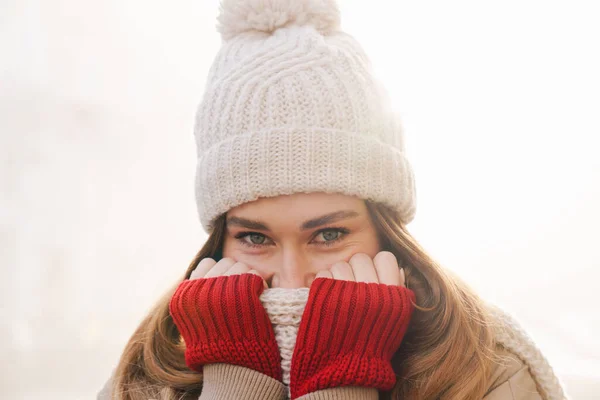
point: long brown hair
(447, 352)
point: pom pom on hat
(239, 16)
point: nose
(295, 271)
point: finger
(202, 268)
(387, 268)
(342, 271)
(236, 269)
(220, 268)
(363, 268)
(255, 272)
(325, 273)
(403, 277)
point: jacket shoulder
(106, 392)
(511, 378)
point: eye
(331, 235)
(252, 239)
(256, 238)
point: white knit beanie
(290, 106)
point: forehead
(298, 207)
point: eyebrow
(246, 223)
(328, 219)
(310, 224)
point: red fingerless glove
(348, 334)
(222, 320)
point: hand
(209, 268)
(383, 268)
(354, 321)
(221, 319)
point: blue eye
(256, 238)
(331, 236)
(252, 239)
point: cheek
(366, 242)
(360, 244)
(371, 245)
(228, 248)
(258, 262)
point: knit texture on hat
(285, 308)
(290, 105)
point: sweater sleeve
(228, 381)
(343, 393)
(106, 392)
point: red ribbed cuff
(222, 320)
(348, 335)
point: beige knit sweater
(528, 375)
(285, 307)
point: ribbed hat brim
(282, 161)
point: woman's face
(288, 239)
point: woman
(310, 286)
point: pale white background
(500, 102)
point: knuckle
(340, 266)
(240, 265)
(360, 257)
(195, 274)
(206, 262)
(385, 257)
(323, 274)
(202, 267)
